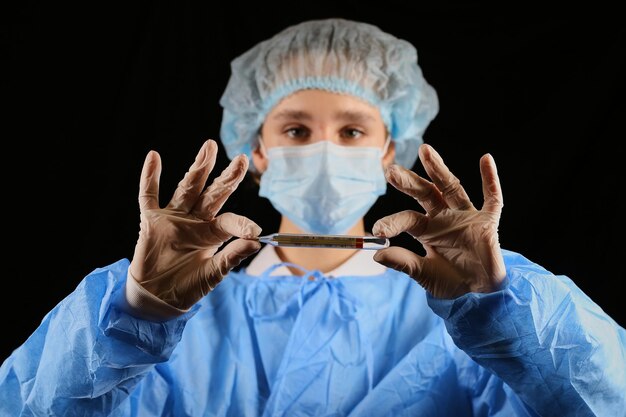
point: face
(309, 116)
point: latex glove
(176, 256)
(461, 243)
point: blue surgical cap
(336, 55)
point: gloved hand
(461, 243)
(176, 257)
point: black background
(91, 88)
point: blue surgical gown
(320, 346)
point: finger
(229, 257)
(227, 225)
(422, 190)
(450, 187)
(402, 260)
(409, 221)
(492, 191)
(149, 182)
(214, 197)
(192, 184)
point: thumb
(231, 256)
(400, 259)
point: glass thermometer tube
(325, 241)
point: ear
(390, 156)
(259, 160)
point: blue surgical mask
(324, 188)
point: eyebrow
(347, 115)
(354, 116)
(292, 115)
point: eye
(351, 133)
(298, 132)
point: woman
(325, 113)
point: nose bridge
(325, 130)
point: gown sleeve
(556, 348)
(88, 354)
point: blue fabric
(322, 346)
(335, 55)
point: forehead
(316, 103)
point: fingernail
(429, 153)
(245, 162)
(252, 231)
(380, 228)
(200, 158)
(378, 257)
(391, 171)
